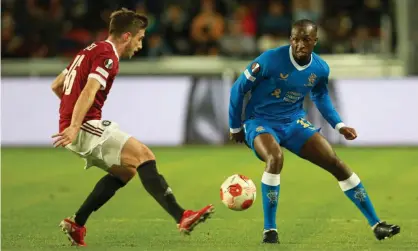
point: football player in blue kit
(266, 112)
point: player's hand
(348, 132)
(238, 137)
(65, 137)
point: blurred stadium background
(174, 97)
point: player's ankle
(79, 220)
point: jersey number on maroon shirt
(72, 72)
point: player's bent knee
(331, 161)
(274, 162)
(134, 153)
(274, 159)
(337, 168)
(123, 173)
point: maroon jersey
(99, 61)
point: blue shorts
(291, 136)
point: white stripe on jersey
(248, 75)
(102, 71)
(99, 78)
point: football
(238, 192)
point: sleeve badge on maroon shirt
(108, 63)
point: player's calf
(318, 150)
(355, 191)
(269, 150)
(104, 190)
(157, 187)
(136, 154)
(140, 158)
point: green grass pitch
(42, 186)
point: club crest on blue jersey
(311, 80)
(259, 129)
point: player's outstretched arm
(57, 85)
(84, 102)
(322, 100)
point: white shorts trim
(100, 143)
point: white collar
(295, 64)
(114, 48)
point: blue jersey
(273, 88)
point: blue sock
(270, 188)
(354, 190)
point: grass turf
(41, 186)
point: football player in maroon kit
(83, 88)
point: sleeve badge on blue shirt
(255, 68)
(259, 129)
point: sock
(355, 190)
(270, 188)
(105, 188)
(158, 188)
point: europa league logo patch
(255, 68)
(108, 63)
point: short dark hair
(125, 20)
(305, 22)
